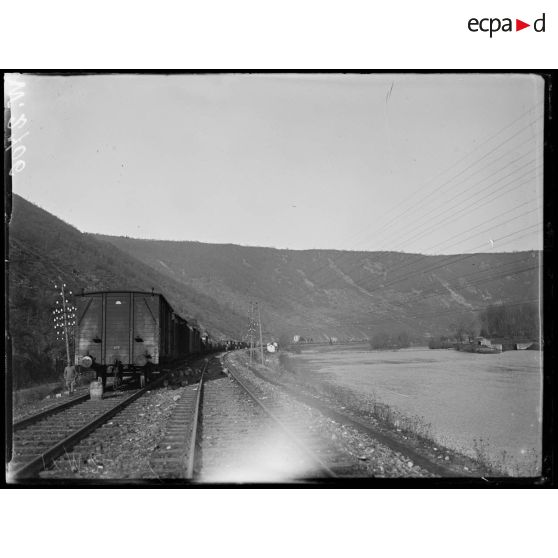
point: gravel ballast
(371, 458)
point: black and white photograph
(251, 278)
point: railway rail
(40, 439)
(364, 427)
(257, 428)
(242, 417)
(52, 410)
(180, 454)
(320, 468)
(177, 454)
(204, 437)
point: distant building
(487, 343)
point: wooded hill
(316, 294)
(321, 294)
(44, 248)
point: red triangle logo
(519, 25)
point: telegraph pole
(251, 330)
(65, 314)
(260, 324)
(64, 319)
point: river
(471, 401)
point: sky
(423, 163)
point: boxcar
(195, 344)
(129, 332)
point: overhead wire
(481, 281)
(473, 205)
(406, 264)
(448, 183)
(423, 257)
(411, 227)
(457, 259)
(456, 163)
(456, 311)
(490, 196)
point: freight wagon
(130, 333)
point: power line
(489, 279)
(474, 204)
(479, 308)
(456, 163)
(425, 198)
(472, 191)
(446, 183)
(461, 212)
(455, 311)
(460, 258)
(470, 237)
(484, 223)
(485, 279)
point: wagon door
(146, 330)
(88, 336)
(117, 328)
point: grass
(507, 464)
(412, 426)
(369, 405)
(36, 393)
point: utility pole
(65, 314)
(260, 324)
(64, 319)
(251, 330)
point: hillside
(317, 294)
(44, 248)
(349, 295)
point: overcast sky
(415, 163)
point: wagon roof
(86, 293)
(118, 291)
(192, 324)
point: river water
(471, 401)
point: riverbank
(393, 429)
(483, 409)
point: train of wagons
(134, 333)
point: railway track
(221, 429)
(342, 418)
(249, 437)
(52, 410)
(183, 452)
(176, 456)
(40, 439)
(290, 428)
(197, 448)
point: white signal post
(64, 319)
(66, 325)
